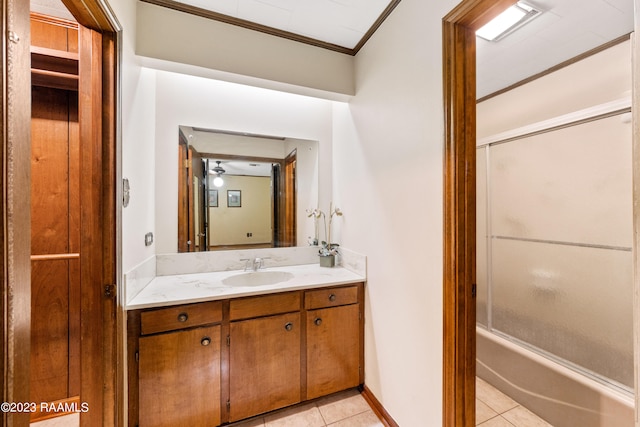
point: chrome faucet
(253, 264)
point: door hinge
(109, 291)
(228, 405)
(137, 357)
(228, 340)
(186, 163)
(14, 37)
(473, 290)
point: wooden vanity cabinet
(179, 378)
(333, 348)
(177, 356)
(265, 352)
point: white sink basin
(257, 278)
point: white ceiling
(51, 8)
(339, 22)
(565, 29)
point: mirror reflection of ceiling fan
(239, 167)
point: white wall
(595, 80)
(387, 141)
(137, 98)
(388, 161)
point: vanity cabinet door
(333, 350)
(179, 378)
(264, 364)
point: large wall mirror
(238, 190)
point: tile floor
(347, 409)
(495, 409)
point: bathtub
(561, 396)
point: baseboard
(377, 407)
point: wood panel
(181, 317)
(264, 364)
(54, 33)
(55, 235)
(49, 331)
(264, 305)
(330, 297)
(170, 394)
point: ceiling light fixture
(218, 170)
(507, 22)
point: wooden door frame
(16, 217)
(288, 223)
(459, 204)
(103, 350)
(459, 303)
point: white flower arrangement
(326, 248)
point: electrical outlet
(148, 239)
(249, 234)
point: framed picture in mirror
(213, 199)
(234, 198)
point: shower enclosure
(554, 267)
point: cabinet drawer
(330, 297)
(180, 317)
(264, 305)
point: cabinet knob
(182, 317)
(288, 326)
(332, 297)
(318, 321)
(205, 341)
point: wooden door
(183, 195)
(264, 364)
(191, 200)
(179, 377)
(289, 229)
(198, 201)
(333, 350)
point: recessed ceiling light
(507, 22)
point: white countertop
(187, 288)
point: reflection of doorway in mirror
(289, 223)
(244, 218)
(196, 210)
(290, 164)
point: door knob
(205, 341)
(318, 321)
(288, 326)
(183, 317)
